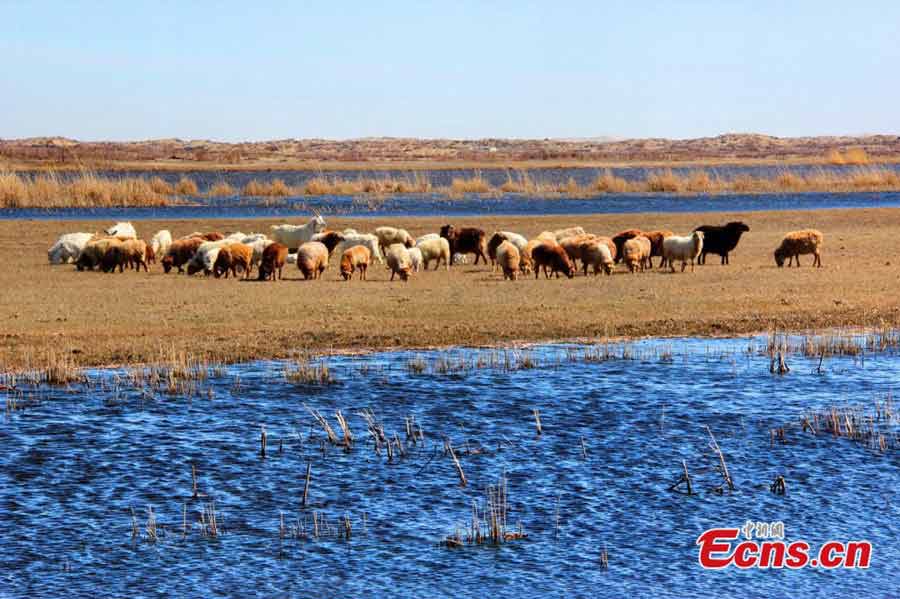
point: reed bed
(835, 342)
(304, 370)
(488, 524)
(875, 427)
(86, 189)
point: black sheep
(721, 240)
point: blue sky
(264, 70)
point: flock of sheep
(310, 246)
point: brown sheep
(355, 258)
(180, 253)
(527, 262)
(494, 242)
(231, 257)
(151, 255)
(136, 253)
(656, 244)
(273, 259)
(620, 238)
(636, 252)
(467, 240)
(116, 255)
(312, 259)
(796, 243)
(553, 259)
(574, 245)
(509, 260)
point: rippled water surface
(77, 461)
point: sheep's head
(404, 273)
(738, 227)
(318, 223)
(193, 268)
(447, 231)
(167, 263)
(779, 257)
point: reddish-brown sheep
(273, 259)
(553, 259)
(466, 240)
(355, 258)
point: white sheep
(437, 249)
(68, 247)
(160, 242)
(291, 258)
(415, 254)
(293, 236)
(399, 261)
(365, 239)
(682, 248)
(561, 234)
(122, 230)
(205, 257)
(388, 236)
(514, 238)
(426, 237)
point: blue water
(435, 205)
(76, 462)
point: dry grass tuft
(158, 185)
(609, 183)
(664, 181)
(186, 187)
(221, 189)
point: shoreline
(94, 320)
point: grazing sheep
(68, 247)
(553, 259)
(93, 252)
(293, 236)
(682, 248)
(656, 241)
(116, 255)
(499, 237)
(258, 242)
(466, 240)
(619, 240)
(526, 260)
(574, 245)
(598, 255)
(312, 259)
(160, 242)
(135, 251)
(364, 239)
(388, 236)
(355, 258)
(180, 253)
(231, 257)
(721, 240)
(415, 254)
(561, 234)
(509, 260)
(608, 242)
(399, 261)
(796, 243)
(273, 259)
(434, 248)
(205, 257)
(122, 230)
(636, 253)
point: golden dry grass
(110, 319)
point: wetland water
(76, 461)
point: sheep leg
(818, 261)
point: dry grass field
(99, 319)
